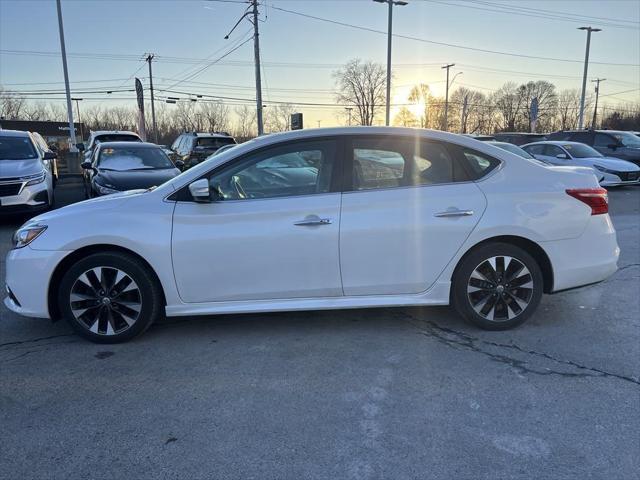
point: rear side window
(379, 163)
(604, 140)
(478, 163)
(214, 142)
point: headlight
(27, 234)
(602, 169)
(37, 179)
(105, 189)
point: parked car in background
(120, 166)
(609, 171)
(519, 138)
(319, 219)
(27, 173)
(610, 143)
(193, 148)
(510, 147)
(223, 148)
(45, 150)
(101, 136)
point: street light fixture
(584, 75)
(399, 3)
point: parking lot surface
(362, 394)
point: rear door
(408, 208)
(273, 234)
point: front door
(271, 234)
(410, 209)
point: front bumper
(590, 258)
(28, 199)
(28, 273)
(618, 179)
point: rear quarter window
(477, 164)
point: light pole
(72, 131)
(595, 109)
(584, 75)
(446, 98)
(391, 3)
(77, 100)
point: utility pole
(584, 75)
(446, 99)
(389, 38)
(77, 100)
(595, 109)
(153, 106)
(256, 56)
(72, 130)
(349, 109)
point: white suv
(27, 173)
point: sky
(107, 39)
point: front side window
(627, 139)
(298, 169)
(534, 149)
(553, 151)
(124, 159)
(16, 148)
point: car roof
(208, 135)
(128, 145)
(13, 133)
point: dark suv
(610, 143)
(519, 138)
(192, 148)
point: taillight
(596, 198)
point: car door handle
(311, 221)
(454, 213)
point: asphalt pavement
(360, 394)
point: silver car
(26, 173)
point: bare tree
(362, 85)
(278, 117)
(215, 116)
(246, 125)
(405, 118)
(469, 103)
(421, 94)
(508, 102)
(545, 92)
(11, 105)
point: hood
(135, 179)
(616, 164)
(107, 202)
(19, 168)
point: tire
(115, 297)
(496, 294)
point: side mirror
(612, 146)
(200, 190)
(86, 165)
(562, 156)
(49, 156)
(80, 147)
(179, 164)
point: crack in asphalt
(453, 338)
(33, 340)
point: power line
(452, 45)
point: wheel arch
(73, 257)
(531, 247)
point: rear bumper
(590, 258)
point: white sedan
(320, 219)
(611, 172)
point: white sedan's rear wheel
(497, 286)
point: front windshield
(580, 150)
(628, 139)
(16, 148)
(123, 159)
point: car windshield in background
(580, 150)
(124, 159)
(628, 139)
(16, 148)
(214, 142)
(117, 138)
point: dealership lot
(408, 393)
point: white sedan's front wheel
(497, 286)
(109, 297)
